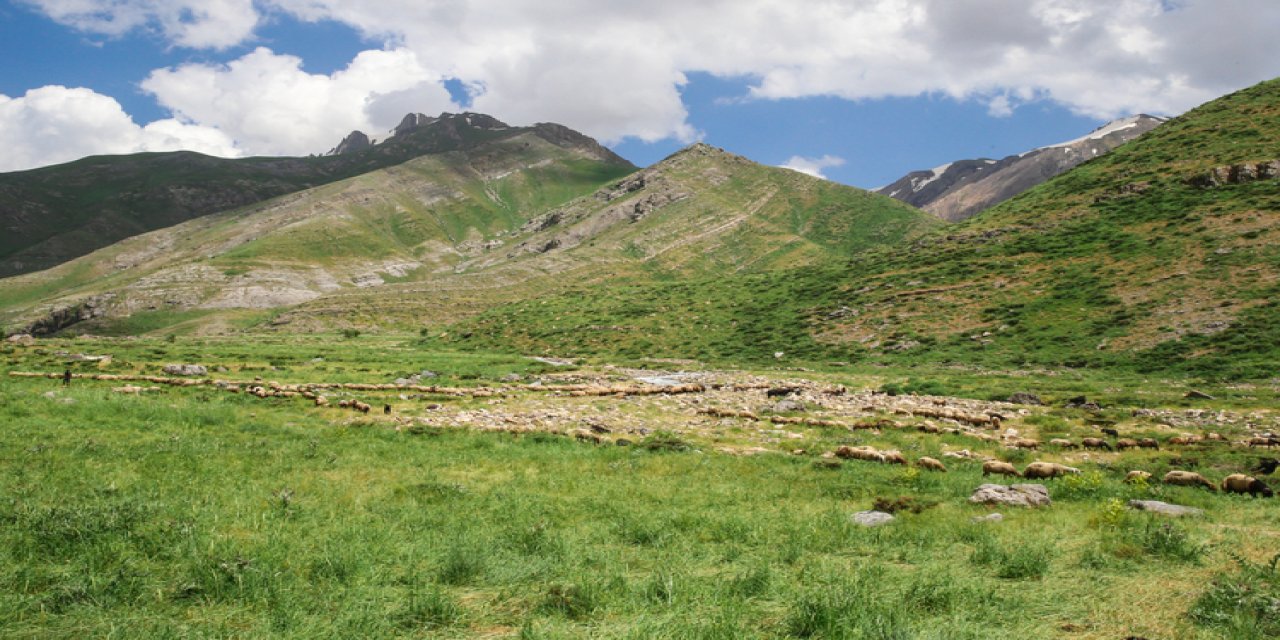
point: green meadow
(193, 512)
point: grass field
(193, 512)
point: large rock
(1026, 398)
(1017, 495)
(185, 370)
(871, 518)
(1164, 508)
(21, 338)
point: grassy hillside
(451, 234)
(53, 214)
(1162, 255)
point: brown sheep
(1096, 443)
(1217, 437)
(1003, 468)
(1025, 443)
(1240, 483)
(1188, 479)
(1135, 476)
(1047, 470)
(893, 457)
(1148, 443)
(321, 401)
(932, 464)
(1181, 440)
(1263, 441)
(1064, 443)
(585, 435)
(859, 453)
(1126, 443)
(361, 407)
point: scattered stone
(786, 406)
(1198, 395)
(51, 394)
(221, 369)
(622, 442)
(512, 377)
(1026, 398)
(871, 518)
(1017, 495)
(24, 339)
(990, 517)
(185, 370)
(427, 373)
(1164, 508)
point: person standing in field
(66, 378)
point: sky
(856, 91)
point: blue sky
(877, 87)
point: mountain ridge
(52, 214)
(962, 188)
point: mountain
(452, 234)
(1162, 256)
(960, 189)
(53, 214)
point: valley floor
(506, 496)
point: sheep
(585, 435)
(893, 457)
(1096, 443)
(1047, 470)
(1025, 443)
(1064, 443)
(1218, 437)
(859, 453)
(1148, 443)
(1181, 440)
(1188, 479)
(361, 407)
(1137, 476)
(1003, 468)
(1240, 483)
(1263, 441)
(321, 401)
(932, 464)
(1111, 432)
(780, 392)
(1126, 443)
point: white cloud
(812, 166)
(215, 24)
(269, 105)
(55, 124)
(615, 69)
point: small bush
(432, 609)
(460, 565)
(1243, 605)
(350, 333)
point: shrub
(1243, 605)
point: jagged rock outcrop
(355, 141)
(1237, 174)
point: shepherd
(66, 378)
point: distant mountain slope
(960, 189)
(53, 214)
(1163, 255)
(450, 234)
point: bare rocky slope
(961, 189)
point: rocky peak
(412, 121)
(355, 141)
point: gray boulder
(787, 406)
(1026, 398)
(185, 370)
(871, 518)
(1017, 495)
(1164, 508)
